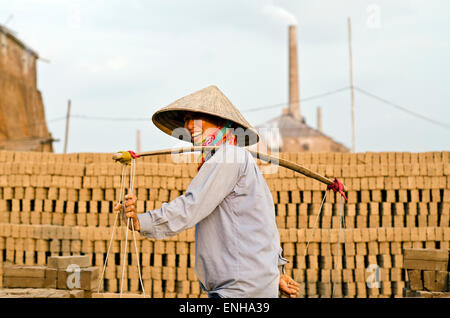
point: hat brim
(173, 118)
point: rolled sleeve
(146, 225)
(281, 261)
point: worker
(237, 244)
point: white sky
(129, 58)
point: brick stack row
(54, 205)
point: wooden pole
(265, 157)
(138, 141)
(66, 138)
(352, 93)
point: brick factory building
(289, 132)
(22, 118)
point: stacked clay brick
(53, 204)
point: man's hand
(130, 211)
(288, 286)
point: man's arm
(211, 185)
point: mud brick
(361, 248)
(311, 289)
(396, 274)
(384, 248)
(369, 235)
(364, 184)
(361, 221)
(88, 278)
(390, 196)
(397, 233)
(435, 281)
(432, 220)
(395, 183)
(361, 290)
(362, 209)
(425, 259)
(430, 244)
(295, 196)
(430, 234)
(29, 193)
(433, 208)
(23, 282)
(396, 248)
(313, 249)
(24, 271)
(385, 289)
(306, 197)
(384, 261)
(182, 248)
(349, 262)
(415, 279)
(399, 209)
(398, 220)
(347, 275)
(350, 249)
(422, 220)
(422, 233)
(381, 235)
(349, 222)
(50, 279)
(386, 221)
(376, 196)
(61, 262)
(359, 262)
(312, 275)
(336, 222)
(372, 248)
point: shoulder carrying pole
(126, 156)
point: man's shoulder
(231, 154)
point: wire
(362, 91)
(402, 108)
(112, 118)
(301, 99)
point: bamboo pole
(352, 94)
(262, 156)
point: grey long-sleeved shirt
(237, 251)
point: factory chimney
(319, 119)
(294, 95)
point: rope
(130, 191)
(314, 227)
(339, 242)
(133, 168)
(337, 186)
(122, 211)
(112, 236)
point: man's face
(199, 126)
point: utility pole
(66, 138)
(138, 141)
(351, 85)
(319, 118)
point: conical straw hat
(211, 101)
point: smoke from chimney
(280, 14)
